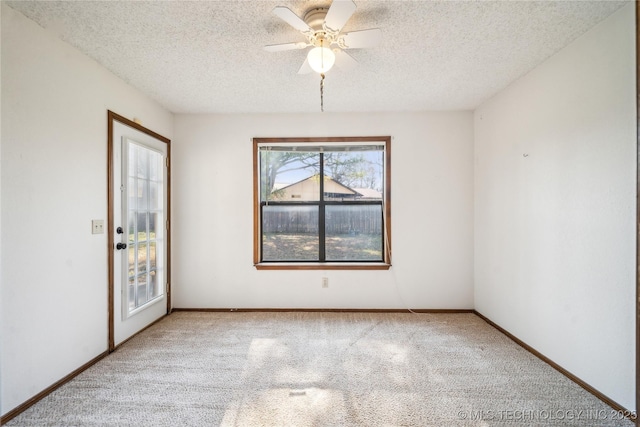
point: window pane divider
(322, 254)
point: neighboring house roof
(307, 189)
(369, 193)
(313, 178)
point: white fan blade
(364, 38)
(291, 18)
(306, 68)
(339, 13)
(285, 46)
(345, 61)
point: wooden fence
(351, 219)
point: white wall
(432, 214)
(54, 182)
(555, 231)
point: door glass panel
(155, 199)
(133, 161)
(143, 162)
(142, 195)
(132, 260)
(154, 285)
(152, 225)
(141, 290)
(158, 254)
(154, 167)
(152, 256)
(142, 226)
(132, 202)
(145, 204)
(142, 257)
(132, 231)
(131, 292)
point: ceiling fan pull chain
(322, 93)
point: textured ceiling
(207, 56)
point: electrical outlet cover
(97, 226)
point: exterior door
(139, 229)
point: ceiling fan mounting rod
(324, 36)
(319, 38)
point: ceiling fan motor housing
(315, 17)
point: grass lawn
(304, 247)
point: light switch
(97, 226)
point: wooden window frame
(319, 265)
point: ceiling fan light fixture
(321, 59)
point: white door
(139, 230)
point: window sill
(322, 266)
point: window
(322, 203)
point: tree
(274, 163)
(353, 169)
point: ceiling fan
(321, 27)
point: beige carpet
(320, 369)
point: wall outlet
(325, 282)
(97, 226)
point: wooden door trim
(111, 118)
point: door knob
(121, 246)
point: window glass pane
(289, 176)
(353, 232)
(290, 233)
(353, 175)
